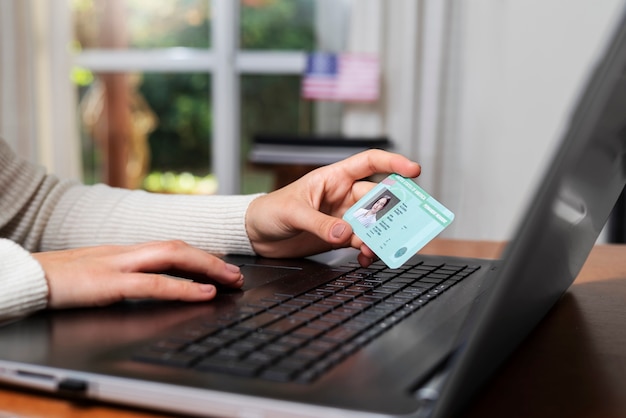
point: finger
(369, 162)
(363, 260)
(177, 255)
(367, 252)
(156, 286)
(366, 256)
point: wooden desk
(572, 365)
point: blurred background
(171, 95)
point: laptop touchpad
(256, 275)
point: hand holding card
(397, 218)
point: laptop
(324, 337)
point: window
(161, 74)
(146, 128)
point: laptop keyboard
(297, 337)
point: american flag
(341, 77)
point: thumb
(340, 231)
(328, 228)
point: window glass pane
(164, 124)
(269, 105)
(277, 24)
(146, 23)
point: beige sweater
(39, 212)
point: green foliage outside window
(277, 24)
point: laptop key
(284, 325)
(258, 321)
(278, 374)
(340, 334)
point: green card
(397, 218)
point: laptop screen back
(561, 225)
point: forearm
(97, 215)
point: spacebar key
(235, 367)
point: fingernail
(233, 268)
(337, 230)
(207, 288)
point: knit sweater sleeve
(23, 286)
(97, 215)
